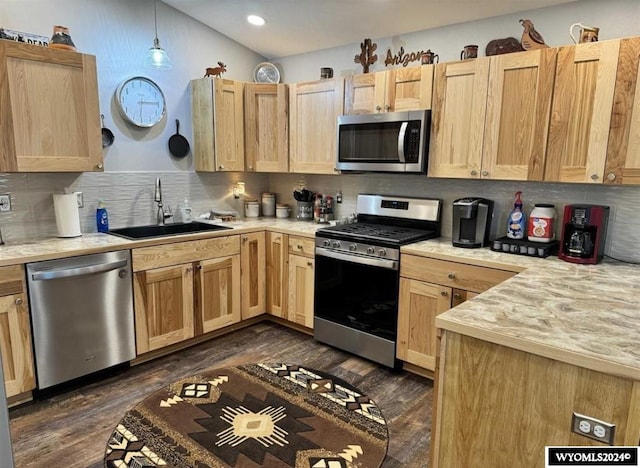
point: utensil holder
(304, 211)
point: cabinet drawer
(452, 274)
(11, 280)
(302, 246)
(184, 252)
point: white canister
(542, 223)
(252, 209)
(268, 204)
(282, 211)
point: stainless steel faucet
(162, 213)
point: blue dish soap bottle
(517, 223)
(102, 217)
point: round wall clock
(140, 101)
(266, 72)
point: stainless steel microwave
(385, 142)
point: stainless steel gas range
(357, 273)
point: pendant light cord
(155, 17)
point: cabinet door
(50, 117)
(459, 110)
(581, 112)
(163, 303)
(217, 108)
(218, 293)
(365, 93)
(418, 306)
(266, 112)
(15, 344)
(623, 151)
(409, 88)
(277, 274)
(518, 110)
(253, 270)
(314, 109)
(300, 306)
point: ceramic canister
(252, 209)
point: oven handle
(401, 135)
(376, 262)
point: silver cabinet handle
(220, 166)
(594, 176)
(378, 108)
(79, 271)
(19, 301)
(387, 107)
(245, 239)
(99, 166)
(457, 296)
(444, 293)
(451, 275)
(611, 176)
(474, 173)
(485, 173)
(309, 264)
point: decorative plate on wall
(266, 72)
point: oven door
(356, 304)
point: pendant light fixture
(157, 57)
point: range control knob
(371, 250)
(335, 244)
(326, 243)
(382, 252)
(353, 247)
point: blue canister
(102, 217)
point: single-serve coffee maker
(471, 222)
(583, 233)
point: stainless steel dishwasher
(81, 315)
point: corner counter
(585, 315)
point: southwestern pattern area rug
(272, 415)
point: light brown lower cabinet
(277, 270)
(429, 287)
(184, 291)
(15, 332)
(253, 264)
(301, 276)
(505, 405)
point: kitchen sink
(145, 232)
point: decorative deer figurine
(216, 71)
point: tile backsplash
(129, 198)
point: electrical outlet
(5, 202)
(593, 428)
(80, 199)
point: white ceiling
(299, 26)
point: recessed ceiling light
(256, 20)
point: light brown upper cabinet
(581, 112)
(623, 151)
(217, 108)
(491, 115)
(395, 90)
(266, 112)
(314, 107)
(458, 116)
(49, 112)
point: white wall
(615, 18)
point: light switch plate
(593, 428)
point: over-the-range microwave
(385, 142)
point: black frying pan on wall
(178, 144)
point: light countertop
(586, 315)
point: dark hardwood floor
(71, 428)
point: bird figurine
(531, 39)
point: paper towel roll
(65, 206)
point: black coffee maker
(583, 233)
(471, 222)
